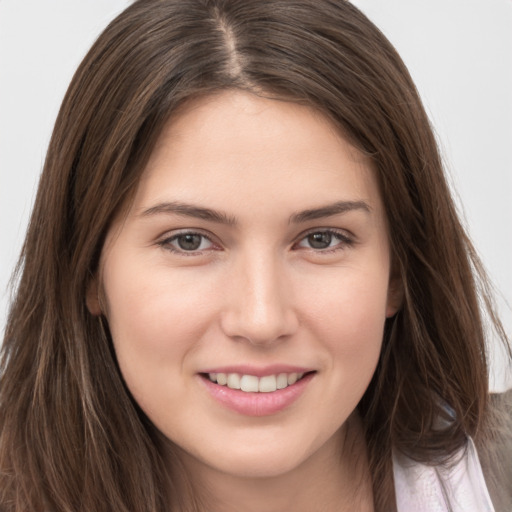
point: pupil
(319, 240)
(189, 242)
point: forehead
(238, 148)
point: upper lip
(258, 371)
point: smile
(253, 384)
(252, 395)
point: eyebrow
(329, 210)
(199, 212)
(189, 210)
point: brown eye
(189, 242)
(326, 240)
(320, 240)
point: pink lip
(256, 404)
(258, 371)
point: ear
(92, 296)
(395, 295)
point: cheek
(353, 303)
(156, 318)
(349, 320)
(153, 299)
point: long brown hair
(71, 437)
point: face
(255, 256)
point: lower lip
(257, 404)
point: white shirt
(458, 488)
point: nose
(259, 302)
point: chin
(261, 465)
(264, 456)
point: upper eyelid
(337, 231)
(173, 233)
(165, 240)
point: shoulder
(495, 452)
(457, 485)
(472, 480)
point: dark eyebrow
(329, 210)
(199, 212)
(188, 210)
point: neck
(335, 479)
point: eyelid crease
(341, 233)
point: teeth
(234, 381)
(252, 384)
(267, 384)
(248, 383)
(292, 379)
(282, 381)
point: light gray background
(459, 53)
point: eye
(325, 239)
(187, 242)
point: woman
(244, 285)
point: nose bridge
(259, 303)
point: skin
(255, 292)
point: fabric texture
(461, 487)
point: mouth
(252, 395)
(253, 384)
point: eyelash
(166, 243)
(344, 242)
